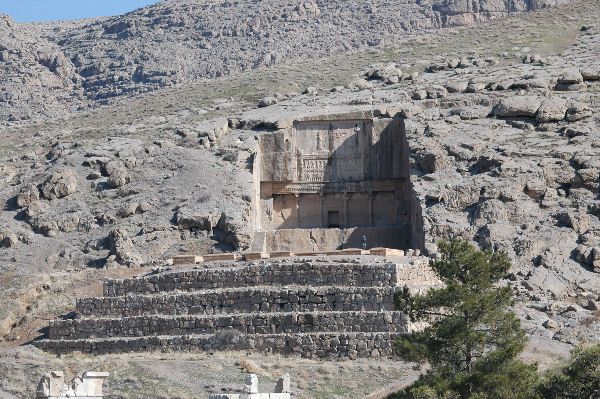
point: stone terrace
(318, 307)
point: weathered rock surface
(54, 68)
(60, 184)
(518, 106)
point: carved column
(345, 216)
(321, 195)
(297, 210)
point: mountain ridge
(55, 68)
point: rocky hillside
(52, 69)
(502, 125)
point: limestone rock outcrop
(58, 185)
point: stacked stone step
(241, 300)
(245, 323)
(317, 308)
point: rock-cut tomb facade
(326, 181)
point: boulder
(592, 305)
(267, 101)
(570, 76)
(570, 87)
(437, 67)
(94, 175)
(535, 189)
(122, 248)
(7, 238)
(551, 110)
(419, 95)
(59, 185)
(35, 208)
(68, 222)
(437, 92)
(532, 59)
(457, 87)
(110, 166)
(127, 210)
(389, 73)
(28, 194)
(144, 207)
(505, 84)
(474, 112)
(45, 225)
(550, 325)
(360, 84)
(591, 73)
(431, 160)
(588, 178)
(192, 218)
(518, 106)
(119, 177)
(475, 87)
(588, 255)
(577, 110)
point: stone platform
(380, 251)
(335, 306)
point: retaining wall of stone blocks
(301, 273)
(324, 307)
(256, 323)
(320, 345)
(242, 300)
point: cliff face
(465, 12)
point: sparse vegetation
(579, 379)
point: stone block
(386, 252)
(279, 396)
(258, 396)
(256, 256)
(281, 254)
(187, 259)
(394, 252)
(218, 257)
(354, 251)
(86, 385)
(379, 251)
(251, 384)
(283, 384)
(224, 396)
(308, 253)
(51, 385)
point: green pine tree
(472, 340)
(580, 379)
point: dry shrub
(249, 367)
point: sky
(51, 10)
